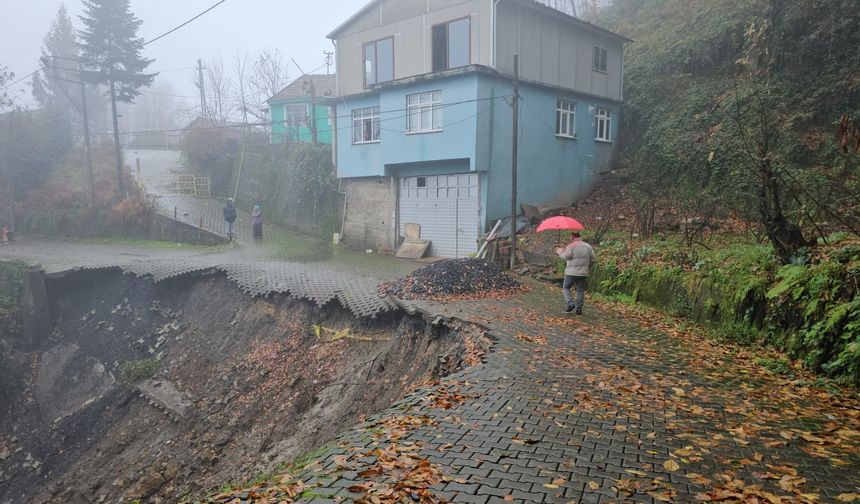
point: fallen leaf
(671, 465)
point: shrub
(131, 372)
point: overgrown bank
(810, 310)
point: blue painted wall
(551, 170)
(476, 136)
(456, 141)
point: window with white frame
(424, 112)
(602, 125)
(599, 59)
(365, 125)
(378, 61)
(295, 114)
(565, 119)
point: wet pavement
(608, 407)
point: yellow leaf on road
(671, 465)
(594, 486)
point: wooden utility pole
(329, 60)
(516, 107)
(90, 178)
(10, 187)
(202, 92)
(116, 146)
(313, 111)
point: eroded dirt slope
(160, 391)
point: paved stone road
(157, 170)
(599, 409)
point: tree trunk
(118, 151)
(786, 237)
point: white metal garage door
(447, 209)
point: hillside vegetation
(740, 143)
(714, 89)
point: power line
(183, 24)
(22, 79)
(269, 123)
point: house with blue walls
(424, 122)
(299, 112)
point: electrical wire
(183, 24)
(22, 79)
(268, 123)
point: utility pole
(82, 108)
(313, 113)
(516, 107)
(89, 155)
(329, 60)
(11, 178)
(116, 146)
(202, 92)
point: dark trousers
(579, 282)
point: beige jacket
(580, 258)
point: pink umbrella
(558, 223)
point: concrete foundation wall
(370, 213)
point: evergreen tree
(5, 76)
(60, 52)
(110, 50)
(55, 86)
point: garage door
(447, 209)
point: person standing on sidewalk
(229, 219)
(580, 259)
(257, 219)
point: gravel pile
(452, 279)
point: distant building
(300, 110)
(424, 123)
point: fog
(297, 28)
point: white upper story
(389, 40)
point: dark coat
(229, 213)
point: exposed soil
(264, 380)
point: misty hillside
(703, 77)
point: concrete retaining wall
(370, 213)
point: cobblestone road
(600, 409)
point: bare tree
(220, 102)
(240, 65)
(268, 75)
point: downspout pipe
(493, 35)
(340, 189)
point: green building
(299, 112)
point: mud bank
(160, 391)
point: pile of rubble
(452, 279)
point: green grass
(131, 372)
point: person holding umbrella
(579, 256)
(580, 259)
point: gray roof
(324, 86)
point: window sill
(565, 137)
(422, 132)
(599, 71)
(600, 140)
(365, 143)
